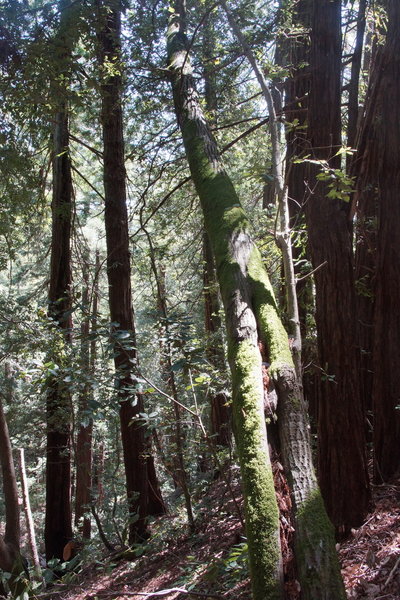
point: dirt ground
(212, 562)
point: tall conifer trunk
(58, 528)
(83, 495)
(342, 464)
(143, 492)
(251, 316)
(383, 176)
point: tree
(58, 526)
(220, 411)
(83, 495)
(143, 492)
(342, 467)
(10, 557)
(377, 194)
(251, 316)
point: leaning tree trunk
(220, 410)
(251, 316)
(143, 492)
(342, 466)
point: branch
(312, 272)
(168, 397)
(82, 143)
(163, 593)
(88, 182)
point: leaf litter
(212, 562)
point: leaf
(122, 335)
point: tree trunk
(353, 110)
(10, 557)
(167, 372)
(85, 422)
(28, 516)
(365, 205)
(220, 410)
(134, 442)
(297, 88)
(250, 312)
(342, 466)
(386, 355)
(58, 530)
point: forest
(199, 299)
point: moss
(320, 577)
(224, 217)
(272, 330)
(262, 515)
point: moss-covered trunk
(251, 314)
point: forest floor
(211, 563)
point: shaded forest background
(199, 285)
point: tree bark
(353, 110)
(135, 445)
(83, 492)
(251, 316)
(10, 557)
(220, 410)
(58, 530)
(386, 355)
(365, 205)
(342, 466)
(297, 87)
(180, 472)
(28, 516)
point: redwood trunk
(386, 351)
(140, 494)
(58, 529)
(341, 440)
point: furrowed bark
(342, 465)
(386, 355)
(58, 529)
(250, 311)
(137, 459)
